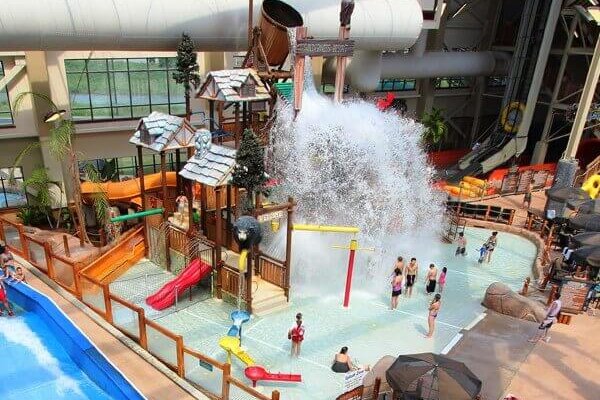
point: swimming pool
(367, 327)
(10, 199)
(46, 357)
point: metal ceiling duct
(214, 25)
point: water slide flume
(233, 347)
(257, 373)
(127, 190)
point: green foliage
(32, 215)
(187, 67)
(19, 160)
(18, 101)
(435, 126)
(40, 183)
(101, 203)
(249, 172)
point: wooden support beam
(218, 240)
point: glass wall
(6, 118)
(396, 85)
(11, 195)
(123, 88)
(452, 83)
(126, 167)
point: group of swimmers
(8, 271)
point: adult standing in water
(399, 264)
(431, 279)
(396, 287)
(491, 244)
(434, 309)
(411, 275)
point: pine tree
(187, 70)
(249, 172)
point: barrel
(276, 18)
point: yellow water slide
(232, 346)
(127, 190)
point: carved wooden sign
(324, 47)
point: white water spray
(351, 164)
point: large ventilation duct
(367, 68)
(214, 25)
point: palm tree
(435, 126)
(62, 135)
(40, 183)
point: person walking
(399, 264)
(412, 271)
(296, 335)
(462, 245)
(491, 244)
(551, 317)
(434, 309)
(431, 279)
(396, 287)
(442, 280)
(527, 197)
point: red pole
(353, 247)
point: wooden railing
(230, 281)
(482, 212)
(178, 240)
(272, 270)
(151, 336)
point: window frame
(4, 204)
(10, 124)
(396, 83)
(112, 69)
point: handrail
(110, 252)
(272, 260)
(253, 392)
(162, 329)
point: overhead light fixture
(54, 115)
(460, 10)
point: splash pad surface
(367, 327)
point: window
(396, 85)
(452, 83)
(497, 81)
(127, 167)
(6, 118)
(12, 195)
(123, 88)
(329, 88)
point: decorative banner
(271, 216)
(324, 47)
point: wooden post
(299, 72)
(225, 382)
(107, 303)
(163, 182)
(218, 233)
(177, 169)
(340, 70)
(180, 357)
(66, 246)
(275, 395)
(376, 388)
(236, 199)
(140, 174)
(288, 247)
(190, 194)
(203, 207)
(236, 131)
(244, 116)
(211, 115)
(487, 213)
(512, 217)
(228, 238)
(249, 271)
(48, 255)
(142, 328)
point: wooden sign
(525, 179)
(354, 379)
(539, 179)
(573, 295)
(279, 214)
(324, 47)
(510, 183)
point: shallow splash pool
(46, 357)
(368, 327)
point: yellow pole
(325, 228)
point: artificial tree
(249, 171)
(435, 126)
(187, 70)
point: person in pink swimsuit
(442, 280)
(396, 287)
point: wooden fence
(129, 318)
(482, 212)
(272, 270)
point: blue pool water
(44, 356)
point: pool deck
(151, 382)
(538, 201)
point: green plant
(435, 126)
(101, 203)
(40, 183)
(62, 135)
(187, 70)
(32, 215)
(249, 171)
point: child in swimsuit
(434, 308)
(4, 298)
(396, 287)
(442, 280)
(462, 244)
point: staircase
(268, 298)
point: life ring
(511, 116)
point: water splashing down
(351, 164)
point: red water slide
(192, 274)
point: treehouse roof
(163, 132)
(212, 164)
(228, 85)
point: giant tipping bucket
(276, 18)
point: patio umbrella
(588, 222)
(586, 239)
(431, 376)
(587, 255)
(567, 194)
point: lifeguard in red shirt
(296, 335)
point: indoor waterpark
(300, 199)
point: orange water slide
(127, 190)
